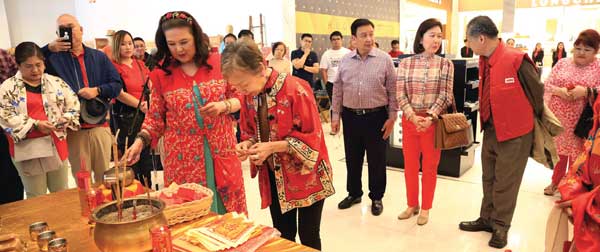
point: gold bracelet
(227, 106)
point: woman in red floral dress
(190, 107)
(568, 79)
(283, 137)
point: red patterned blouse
(172, 115)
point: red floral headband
(176, 15)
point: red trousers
(560, 169)
(415, 144)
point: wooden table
(62, 213)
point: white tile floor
(355, 229)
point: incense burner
(110, 177)
(127, 234)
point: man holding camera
(93, 77)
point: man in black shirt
(465, 51)
(305, 61)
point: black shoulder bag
(586, 120)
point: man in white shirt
(331, 60)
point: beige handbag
(33, 148)
(36, 156)
(453, 131)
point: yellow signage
(439, 4)
(315, 23)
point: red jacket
(512, 112)
(304, 176)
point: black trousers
(363, 133)
(329, 87)
(11, 188)
(306, 220)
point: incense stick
(134, 209)
(124, 169)
(148, 192)
(116, 163)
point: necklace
(260, 102)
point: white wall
(140, 17)
(288, 28)
(411, 16)
(4, 31)
(35, 20)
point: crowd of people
(61, 104)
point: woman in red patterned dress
(568, 80)
(283, 137)
(190, 107)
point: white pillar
(508, 16)
(4, 30)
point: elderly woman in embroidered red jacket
(284, 140)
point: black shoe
(498, 239)
(348, 202)
(476, 226)
(376, 207)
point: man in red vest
(510, 96)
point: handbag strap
(448, 94)
(322, 84)
(141, 71)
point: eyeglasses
(583, 50)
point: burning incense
(134, 209)
(118, 187)
(124, 168)
(148, 192)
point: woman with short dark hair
(36, 109)
(425, 84)
(283, 138)
(569, 83)
(279, 63)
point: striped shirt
(365, 84)
(425, 85)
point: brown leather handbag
(453, 131)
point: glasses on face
(583, 50)
(32, 67)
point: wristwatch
(430, 116)
(35, 124)
(99, 90)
